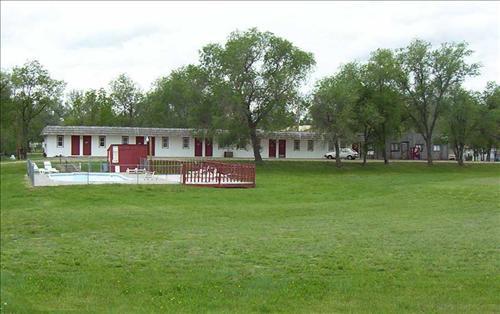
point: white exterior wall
(51, 149)
(175, 148)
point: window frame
(310, 145)
(239, 147)
(331, 146)
(163, 142)
(434, 147)
(102, 137)
(296, 145)
(127, 142)
(395, 147)
(62, 141)
(184, 138)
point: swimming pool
(84, 177)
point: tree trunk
(338, 163)
(386, 159)
(365, 146)
(428, 146)
(255, 145)
(24, 141)
(459, 154)
(365, 152)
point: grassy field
(309, 238)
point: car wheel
(349, 157)
(329, 157)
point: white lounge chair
(48, 167)
(150, 175)
(36, 169)
(135, 171)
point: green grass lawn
(309, 238)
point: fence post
(88, 170)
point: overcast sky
(87, 44)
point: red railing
(218, 174)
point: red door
(208, 147)
(139, 140)
(75, 145)
(87, 145)
(282, 148)
(198, 147)
(272, 148)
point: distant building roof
(137, 131)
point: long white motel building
(69, 141)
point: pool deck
(44, 180)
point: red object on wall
(198, 147)
(272, 148)
(139, 140)
(282, 148)
(75, 145)
(129, 156)
(208, 147)
(87, 145)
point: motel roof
(136, 131)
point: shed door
(272, 148)
(139, 140)
(282, 148)
(198, 147)
(75, 145)
(208, 147)
(87, 145)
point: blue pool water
(83, 177)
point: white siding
(175, 148)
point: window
(241, 146)
(436, 148)
(60, 141)
(296, 145)
(185, 142)
(102, 141)
(221, 146)
(331, 147)
(394, 147)
(164, 142)
(310, 145)
(124, 139)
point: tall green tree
(126, 97)
(91, 107)
(8, 124)
(487, 135)
(333, 102)
(379, 78)
(461, 119)
(426, 79)
(365, 119)
(33, 92)
(255, 76)
(182, 99)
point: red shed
(126, 156)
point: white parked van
(345, 153)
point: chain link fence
(147, 171)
